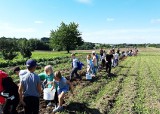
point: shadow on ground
(80, 108)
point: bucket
(88, 76)
(48, 94)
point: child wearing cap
(30, 89)
(63, 88)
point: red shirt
(2, 75)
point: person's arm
(4, 94)
(39, 88)
(42, 76)
(54, 85)
(20, 91)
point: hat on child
(31, 63)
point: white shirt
(116, 56)
(22, 73)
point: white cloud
(9, 30)
(38, 22)
(110, 19)
(85, 1)
(155, 21)
(123, 36)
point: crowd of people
(31, 85)
(107, 60)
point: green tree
(8, 47)
(25, 49)
(66, 37)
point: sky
(100, 21)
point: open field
(133, 89)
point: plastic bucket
(88, 77)
(48, 94)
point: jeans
(94, 70)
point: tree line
(65, 38)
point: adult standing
(103, 59)
(30, 89)
(109, 58)
(101, 52)
(74, 67)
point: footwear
(59, 108)
(49, 104)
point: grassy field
(133, 89)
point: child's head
(73, 55)
(89, 57)
(48, 69)
(16, 70)
(57, 75)
(31, 65)
(93, 53)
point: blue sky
(100, 21)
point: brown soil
(69, 108)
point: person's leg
(1, 111)
(109, 68)
(72, 73)
(95, 69)
(28, 105)
(14, 106)
(60, 98)
(56, 98)
(77, 75)
(35, 108)
(6, 107)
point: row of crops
(39, 56)
(133, 88)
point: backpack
(80, 65)
(97, 57)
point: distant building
(45, 39)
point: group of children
(94, 63)
(28, 91)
